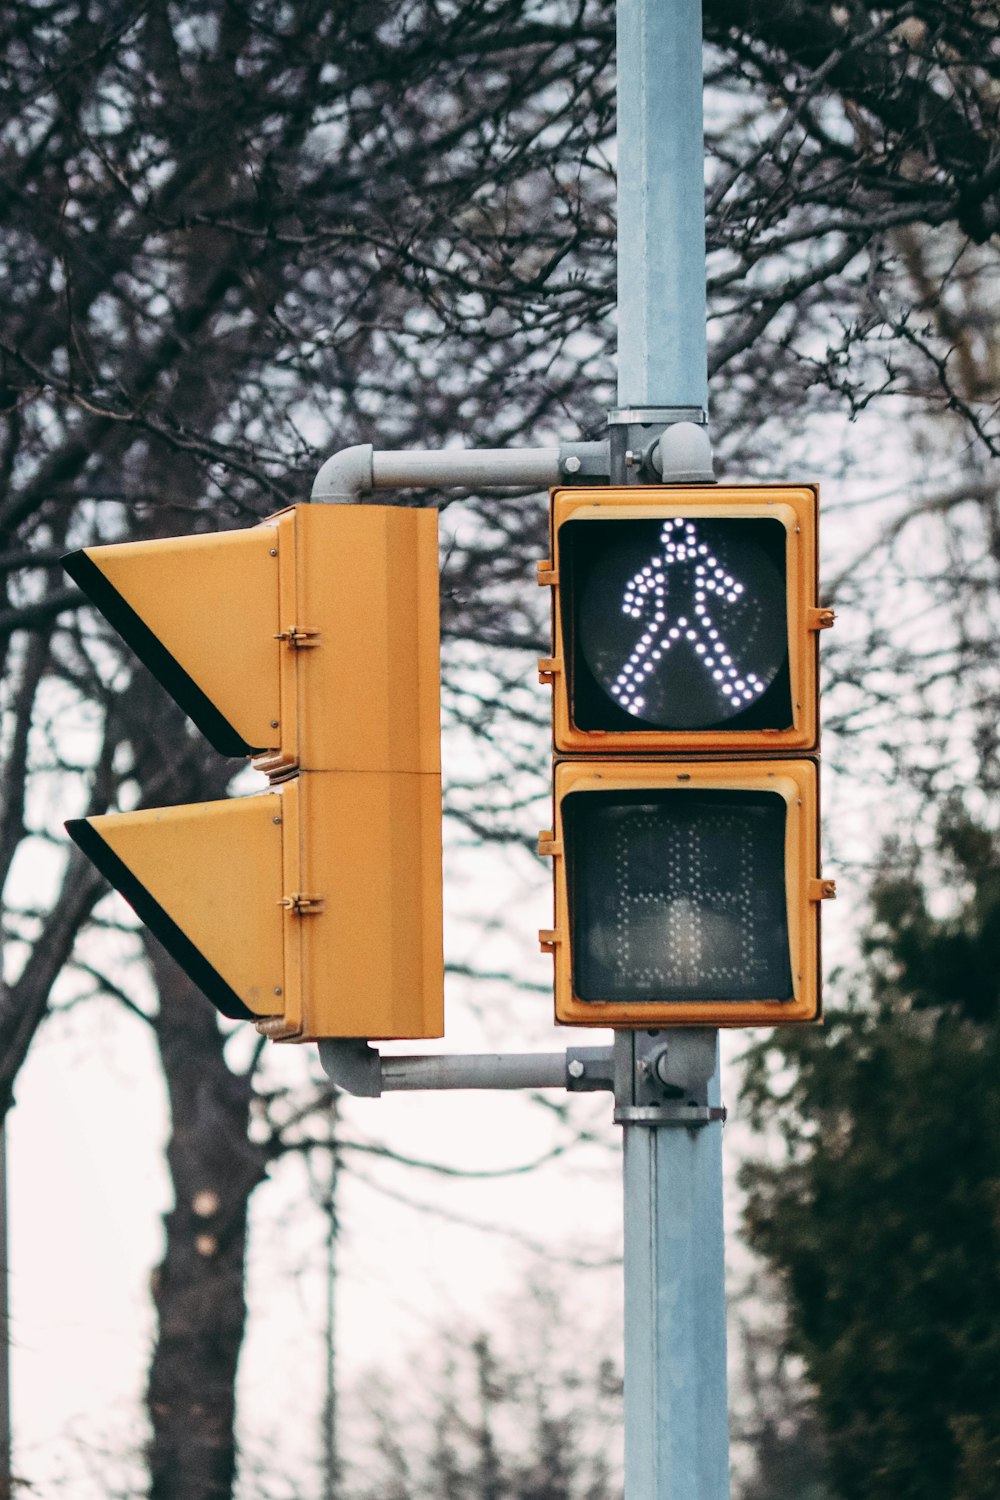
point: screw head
(575, 1068)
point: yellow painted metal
(214, 870)
(361, 691)
(796, 508)
(316, 906)
(212, 603)
(794, 780)
(314, 635)
(363, 955)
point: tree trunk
(198, 1286)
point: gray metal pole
(676, 1417)
(676, 1408)
(661, 205)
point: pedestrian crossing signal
(684, 673)
(684, 620)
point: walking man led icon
(672, 595)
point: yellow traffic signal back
(308, 642)
(311, 643)
(313, 909)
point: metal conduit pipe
(489, 1070)
(359, 470)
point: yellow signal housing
(686, 893)
(311, 644)
(313, 909)
(586, 527)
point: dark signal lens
(677, 623)
(677, 895)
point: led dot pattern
(678, 895)
(681, 622)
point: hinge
(547, 575)
(821, 890)
(302, 906)
(299, 636)
(548, 940)
(820, 619)
(548, 666)
(548, 843)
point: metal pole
(676, 1419)
(661, 206)
(676, 1424)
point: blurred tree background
(239, 236)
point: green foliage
(883, 1218)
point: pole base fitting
(669, 1114)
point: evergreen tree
(883, 1218)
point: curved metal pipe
(359, 470)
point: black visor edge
(162, 926)
(153, 654)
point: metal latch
(299, 636)
(547, 575)
(548, 844)
(302, 906)
(548, 666)
(548, 940)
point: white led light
(645, 598)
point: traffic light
(309, 643)
(685, 833)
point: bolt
(277, 989)
(275, 820)
(575, 1068)
(274, 551)
(660, 1066)
(571, 465)
(630, 457)
(274, 723)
